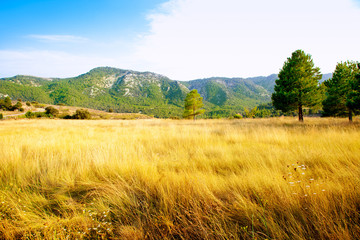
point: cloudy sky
(182, 39)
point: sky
(181, 39)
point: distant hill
(145, 92)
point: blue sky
(182, 39)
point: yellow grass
(163, 179)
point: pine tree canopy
(193, 104)
(338, 89)
(353, 100)
(298, 84)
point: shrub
(111, 110)
(28, 104)
(29, 114)
(238, 116)
(5, 104)
(82, 114)
(1, 116)
(18, 105)
(21, 109)
(52, 111)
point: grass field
(163, 179)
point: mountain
(146, 92)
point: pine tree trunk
(350, 115)
(301, 117)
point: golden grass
(164, 179)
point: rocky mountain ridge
(131, 91)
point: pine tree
(193, 105)
(338, 90)
(353, 99)
(298, 84)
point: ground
(170, 179)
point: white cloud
(58, 38)
(48, 63)
(201, 38)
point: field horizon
(271, 178)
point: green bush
(52, 111)
(82, 114)
(18, 105)
(28, 104)
(1, 116)
(5, 104)
(111, 110)
(21, 109)
(238, 116)
(29, 114)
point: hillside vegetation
(129, 91)
(163, 179)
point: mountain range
(146, 92)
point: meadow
(176, 179)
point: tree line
(298, 87)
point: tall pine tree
(298, 84)
(193, 104)
(353, 100)
(338, 90)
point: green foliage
(193, 105)
(353, 99)
(110, 110)
(29, 114)
(28, 104)
(1, 116)
(215, 93)
(339, 89)
(298, 84)
(82, 114)
(18, 105)
(7, 103)
(134, 92)
(51, 111)
(238, 116)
